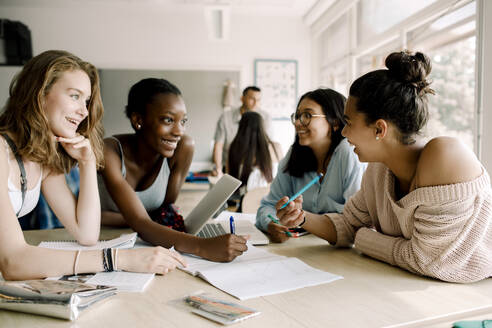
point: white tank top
(30, 200)
(15, 194)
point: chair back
(252, 199)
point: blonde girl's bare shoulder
(446, 160)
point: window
(444, 30)
(450, 43)
(377, 16)
(335, 41)
(336, 77)
(452, 109)
(375, 59)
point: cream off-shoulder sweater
(443, 231)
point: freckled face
(65, 104)
(357, 132)
(164, 123)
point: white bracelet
(115, 260)
(76, 262)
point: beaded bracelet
(109, 256)
(108, 259)
(105, 266)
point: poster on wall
(277, 80)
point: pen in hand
(232, 225)
(306, 187)
(276, 221)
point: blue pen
(306, 187)
(232, 225)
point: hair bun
(410, 68)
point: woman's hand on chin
(78, 147)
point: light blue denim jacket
(342, 180)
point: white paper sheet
(258, 273)
(124, 281)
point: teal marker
(306, 187)
(276, 221)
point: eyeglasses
(304, 117)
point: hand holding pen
(232, 225)
(276, 231)
(291, 215)
(289, 210)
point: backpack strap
(22, 170)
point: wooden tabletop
(372, 294)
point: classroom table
(372, 294)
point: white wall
(152, 37)
(7, 73)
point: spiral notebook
(123, 241)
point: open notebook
(257, 273)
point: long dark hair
(250, 148)
(302, 158)
(397, 94)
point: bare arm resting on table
(82, 216)
(222, 248)
(18, 260)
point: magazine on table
(219, 310)
(54, 298)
